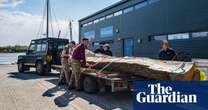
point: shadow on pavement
(63, 100)
(30, 75)
(107, 101)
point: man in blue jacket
(167, 53)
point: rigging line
(42, 22)
(51, 23)
(41, 26)
(75, 31)
(56, 20)
(67, 30)
(52, 30)
(66, 34)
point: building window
(118, 13)
(41, 47)
(84, 25)
(109, 16)
(90, 34)
(106, 32)
(38, 49)
(96, 44)
(44, 47)
(127, 10)
(178, 36)
(96, 21)
(141, 5)
(102, 19)
(153, 1)
(199, 34)
(160, 38)
(90, 23)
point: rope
(180, 68)
(98, 61)
(106, 66)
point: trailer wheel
(90, 85)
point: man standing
(65, 61)
(78, 61)
(166, 53)
(100, 50)
(72, 46)
(107, 50)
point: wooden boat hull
(145, 67)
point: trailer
(93, 80)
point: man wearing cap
(78, 61)
(166, 53)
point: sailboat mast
(70, 27)
(47, 20)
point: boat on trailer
(143, 67)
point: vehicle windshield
(42, 47)
(31, 48)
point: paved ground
(28, 91)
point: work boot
(78, 89)
(71, 87)
(60, 84)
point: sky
(20, 19)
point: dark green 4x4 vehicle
(41, 54)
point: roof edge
(105, 9)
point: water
(9, 58)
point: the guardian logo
(164, 94)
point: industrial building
(137, 27)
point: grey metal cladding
(161, 18)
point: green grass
(13, 49)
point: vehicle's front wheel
(21, 67)
(39, 68)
